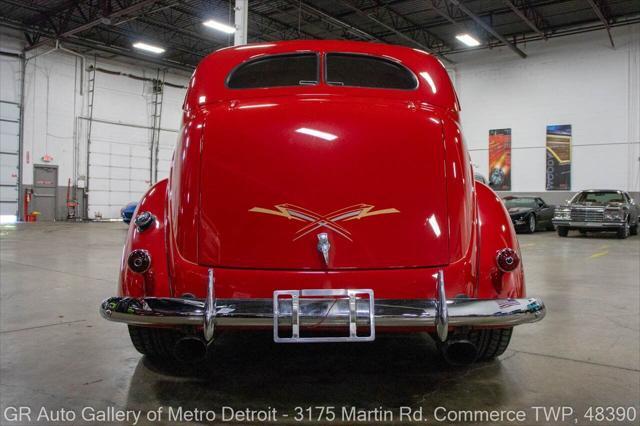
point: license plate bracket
(354, 296)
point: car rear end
(323, 203)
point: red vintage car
(321, 190)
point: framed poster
(500, 159)
(558, 160)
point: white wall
(54, 104)
(53, 101)
(578, 80)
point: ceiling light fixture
(468, 40)
(148, 47)
(219, 26)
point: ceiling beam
(488, 28)
(128, 27)
(333, 21)
(266, 25)
(435, 6)
(45, 15)
(601, 9)
(96, 46)
(107, 19)
(420, 37)
(528, 15)
(411, 27)
(179, 29)
(273, 25)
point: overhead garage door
(165, 152)
(119, 167)
(9, 160)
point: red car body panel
(253, 169)
(398, 161)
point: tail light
(139, 261)
(507, 259)
(144, 220)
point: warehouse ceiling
(112, 26)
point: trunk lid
(367, 172)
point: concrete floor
(55, 351)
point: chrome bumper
(324, 308)
(589, 225)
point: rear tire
(490, 342)
(633, 230)
(154, 342)
(563, 231)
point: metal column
(23, 72)
(242, 22)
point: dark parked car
(480, 178)
(529, 214)
(127, 211)
(598, 210)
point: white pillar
(242, 22)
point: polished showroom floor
(55, 350)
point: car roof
(208, 83)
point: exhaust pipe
(459, 352)
(190, 349)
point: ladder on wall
(156, 121)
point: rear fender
(496, 232)
(154, 282)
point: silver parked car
(597, 210)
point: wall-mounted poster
(500, 159)
(558, 153)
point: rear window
(276, 71)
(367, 71)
